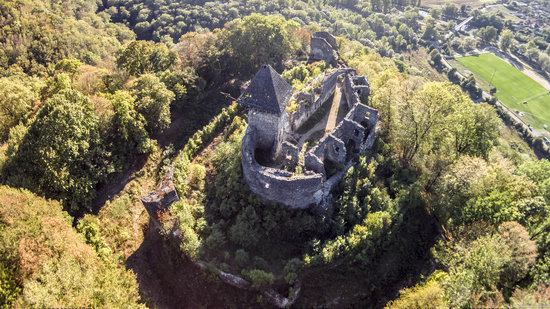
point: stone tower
(266, 97)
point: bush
(292, 269)
(428, 295)
(259, 278)
(9, 289)
(241, 258)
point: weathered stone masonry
(271, 133)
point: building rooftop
(267, 91)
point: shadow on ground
(168, 280)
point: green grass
(505, 12)
(513, 87)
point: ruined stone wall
(321, 50)
(328, 37)
(277, 185)
(164, 195)
(325, 92)
(348, 92)
(362, 113)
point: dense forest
(99, 99)
(369, 22)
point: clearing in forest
(516, 90)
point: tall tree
(62, 155)
(506, 39)
(258, 39)
(153, 102)
(487, 34)
(16, 100)
(141, 57)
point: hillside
(46, 262)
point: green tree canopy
(487, 34)
(257, 39)
(153, 101)
(141, 57)
(16, 100)
(506, 39)
(62, 155)
(129, 135)
(51, 263)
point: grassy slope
(513, 87)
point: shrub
(241, 258)
(291, 270)
(428, 295)
(259, 278)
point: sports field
(515, 89)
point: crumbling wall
(322, 51)
(328, 37)
(290, 155)
(325, 92)
(323, 46)
(278, 185)
(160, 199)
(352, 134)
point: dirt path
(328, 123)
(333, 114)
(534, 75)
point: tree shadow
(399, 261)
(185, 122)
(168, 280)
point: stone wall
(290, 155)
(328, 37)
(311, 103)
(278, 185)
(322, 51)
(265, 124)
(323, 46)
(164, 195)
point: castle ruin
(297, 157)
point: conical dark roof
(267, 91)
